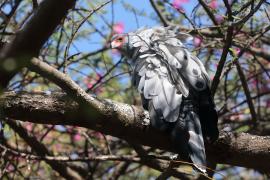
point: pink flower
(118, 28)
(29, 127)
(177, 4)
(213, 4)
(58, 147)
(219, 19)
(234, 117)
(197, 41)
(97, 135)
(254, 83)
(237, 50)
(10, 168)
(77, 137)
(91, 80)
(89, 85)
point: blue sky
(128, 18)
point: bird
(174, 88)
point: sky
(126, 17)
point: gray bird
(174, 88)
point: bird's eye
(120, 39)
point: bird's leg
(146, 121)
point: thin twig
(161, 17)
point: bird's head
(121, 43)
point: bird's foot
(146, 119)
(174, 156)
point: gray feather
(141, 84)
(166, 74)
(150, 87)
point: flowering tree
(68, 109)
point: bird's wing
(152, 79)
(189, 68)
(163, 100)
(191, 71)
(165, 71)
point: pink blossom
(213, 4)
(89, 82)
(92, 80)
(254, 83)
(98, 135)
(10, 168)
(29, 127)
(58, 147)
(254, 45)
(181, 9)
(197, 41)
(89, 85)
(219, 19)
(118, 28)
(177, 3)
(237, 50)
(234, 117)
(48, 137)
(77, 137)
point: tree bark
(28, 41)
(126, 122)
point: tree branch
(247, 93)
(41, 150)
(161, 162)
(227, 45)
(28, 41)
(159, 13)
(125, 121)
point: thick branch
(28, 41)
(125, 121)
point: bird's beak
(113, 45)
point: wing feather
(150, 87)
(156, 86)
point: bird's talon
(174, 157)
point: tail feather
(188, 139)
(196, 143)
(208, 116)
